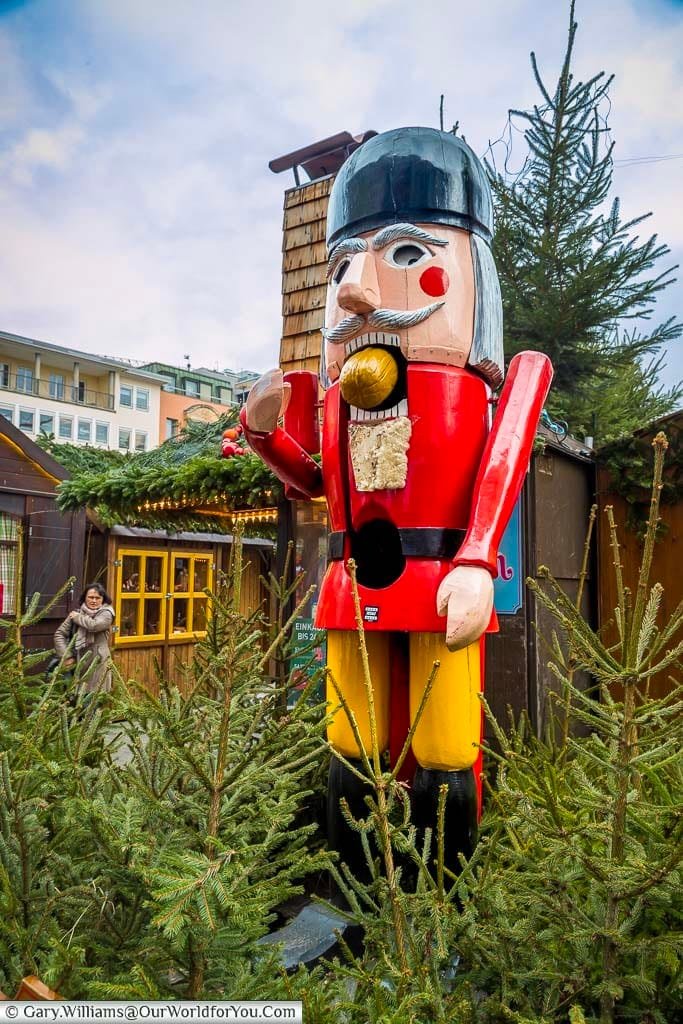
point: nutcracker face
(403, 293)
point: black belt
(416, 542)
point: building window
(84, 430)
(169, 382)
(145, 577)
(4, 375)
(225, 396)
(56, 386)
(171, 428)
(142, 399)
(140, 595)
(80, 391)
(27, 420)
(9, 546)
(47, 423)
(124, 438)
(140, 441)
(191, 388)
(102, 433)
(25, 379)
(8, 412)
(66, 424)
(126, 396)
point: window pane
(8, 563)
(56, 386)
(171, 428)
(47, 423)
(152, 620)
(24, 379)
(102, 433)
(201, 574)
(129, 617)
(84, 430)
(126, 396)
(124, 438)
(65, 426)
(130, 573)
(153, 568)
(142, 399)
(8, 412)
(181, 574)
(140, 441)
(199, 615)
(26, 419)
(192, 388)
(180, 615)
(4, 375)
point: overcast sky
(138, 215)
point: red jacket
(461, 476)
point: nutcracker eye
(340, 271)
(407, 254)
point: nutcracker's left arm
(466, 594)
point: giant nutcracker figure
(419, 468)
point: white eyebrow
(345, 248)
(395, 231)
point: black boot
(341, 837)
(460, 817)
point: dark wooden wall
(557, 498)
(667, 564)
(53, 541)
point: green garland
(629, 462)
(188, 470)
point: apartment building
(78, 397)
(192, 393)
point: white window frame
(145, 437)
(125, 430)
(86, 423)
(129, 388)
(98, 425)
(9, 409)
(48, 415)
(32, 414)
(144, 394)
(25, 371)
(56, 386)
(62, 436)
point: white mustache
(381, 319)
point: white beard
(379, 453)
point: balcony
(57, 391)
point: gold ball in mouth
(368, 377)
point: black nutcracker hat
(419, 175)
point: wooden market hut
(161, 530)
(624, 476)
(50, 541)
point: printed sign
(309, 653)
(507, 586)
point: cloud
(139, 216)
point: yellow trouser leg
(451, 721)
(344, 661)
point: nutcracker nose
(359, 290)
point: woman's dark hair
(100, 590)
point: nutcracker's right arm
(283, 453)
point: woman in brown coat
(93, 622)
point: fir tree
(573, 274)
(574, 894)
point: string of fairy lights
(210, 506)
